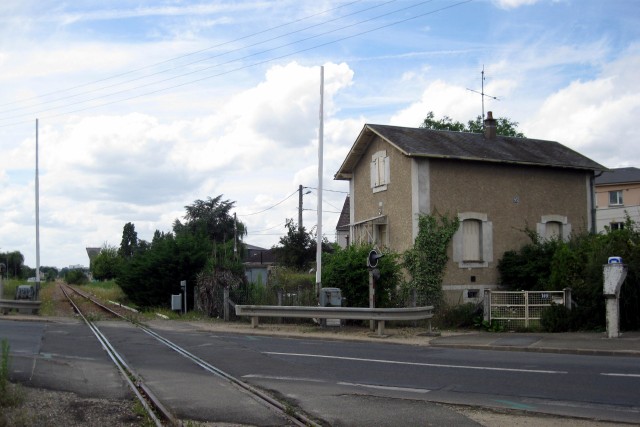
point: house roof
(619, 176)
(343, 221)
(420, 142)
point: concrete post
(2, 268)
(567, 297)
(613, 275)
(486, 312)
(372, 297)
(280, 320)
(225, 304)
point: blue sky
(147, 106)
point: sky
(144, 107)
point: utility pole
(300, 208)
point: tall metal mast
(482, 94)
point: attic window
(379, 171)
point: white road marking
(613, 374)
(272, 377)
(384, 387)
(432, 365)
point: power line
(253, 64)
(271, 207)
(186, 54)
(194, 62)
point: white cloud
(512, 4)
(596, 117)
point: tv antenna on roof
(483, 95)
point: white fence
(514, 310)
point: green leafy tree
(14, 262)
(153, 275)
(76, 277)
(129, 243)
(106, 264)
(347, 269)
(297, 249)
(577, 264)
(213, 217)
(504, 126)
(426, 261)
(203, 242)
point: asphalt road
(341, 383)
(596, 387)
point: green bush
(467, 315)
(555, 318)
(347, 269)
(75, 277)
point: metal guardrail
(23, 306)
(380, 315)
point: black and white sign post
(374, 274)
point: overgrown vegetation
(10, 394)
(577, 264)
(426, 261)
(347, 269)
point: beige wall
(455, 187)
(608, 214)
(493, 189)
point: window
(553, 230)
(617, 225)
(615, 198)
(379, 171)
(380, 235)
(554, 227)
(473, 242)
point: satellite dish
(372, 259)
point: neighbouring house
(257, 264)
(617, 196)
(342, 228)
(497, 186)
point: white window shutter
(387, 170)
(374, 173)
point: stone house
(497, 186)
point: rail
(380, 315)
(23, 306)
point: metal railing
(23, 306)
(521, 309)
(380, 315)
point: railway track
(157, 411)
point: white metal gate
(514, 310)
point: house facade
(497, 186)
(617, 196)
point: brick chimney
(490, 126)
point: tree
(427, 259)
(203, 243)
(297, 250)
(129, 243)
(347, 269)
(504, 126)
(213, 217)
(106, 264)
(14, 261)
